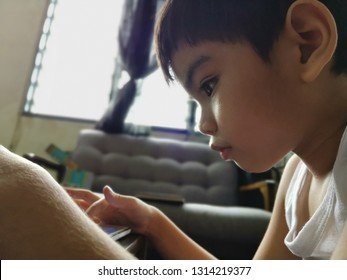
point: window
(73, 70)
(160, 105)
(76, 64)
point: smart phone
(115, 232)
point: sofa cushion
(138, 164)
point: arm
(142, 218)
(272, 246)
(40, 221)
(171, 242)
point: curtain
(137, 58)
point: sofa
(186, 180)
(135, 165)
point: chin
(254, 167)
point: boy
(270, 78)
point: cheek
(234, 108)
(248, 117)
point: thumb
(111, 197)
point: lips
(224, 152)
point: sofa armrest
(267, 189)
(226, 232)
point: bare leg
(38, 220)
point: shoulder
(272, 246)
(291, 165)
(286, 179)
(288, 174)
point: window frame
(37, 68)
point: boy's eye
(208, 86)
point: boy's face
(247, 104)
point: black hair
(258, 22)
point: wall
(20, 29)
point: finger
(111, 197)
(82, 204)
(96, 220)
(86, 195)
(117, 200)
(76, 192)
(96, 208)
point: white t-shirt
(318, 237)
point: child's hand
(113, 208)
(122, 210)
(83, 198)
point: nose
(207, 127)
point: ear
(313, 27)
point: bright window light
(76, 59)
(76, 63)
(160, 105)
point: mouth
(224, 152)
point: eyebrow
(192, 69)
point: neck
(320, 145)
(321, 156)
